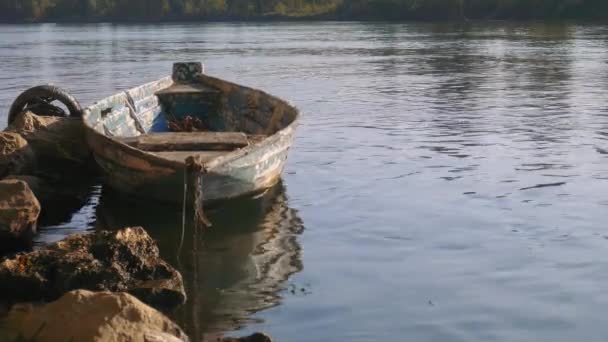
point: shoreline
(316, 19)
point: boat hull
(137, 173)
(225, 107)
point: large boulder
(40, 187)
(59, 199)
(91, 316)
(16, 156)
(57, 141)
(123, 261)
(19, 211)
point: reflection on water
(70, 210)
(241, 264)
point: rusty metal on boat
(141, 137)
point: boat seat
(180, 156)
(191, 141)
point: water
(448, 183)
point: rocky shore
(83, 315)
(123, 261)
(36, 154)
(100, 286)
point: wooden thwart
(180, 156)
(188, 141)
(181, 89)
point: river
(448, 182)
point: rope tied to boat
(193, 195)
(193, 203)
(193, 198)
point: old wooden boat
(141, 137)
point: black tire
(45, 93)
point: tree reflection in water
(234, 269)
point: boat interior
(196, 114)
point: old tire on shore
(39, 100)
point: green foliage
(475, 9)
(58, 10)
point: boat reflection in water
(236, 268)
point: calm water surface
(448, 183)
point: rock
(123, 261)
(51, 190)
(59, 199)
(16, 156)
(58, 140)
(19, 211)
(92, 316)
(28, 122)
(257, 337)
(39, 186)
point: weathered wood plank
(187, 89)
(204, 156)
(188, 141)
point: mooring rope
(181, 241)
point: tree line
(154, 10)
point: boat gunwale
(214, 163)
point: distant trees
(475, 9)
(58, 10)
